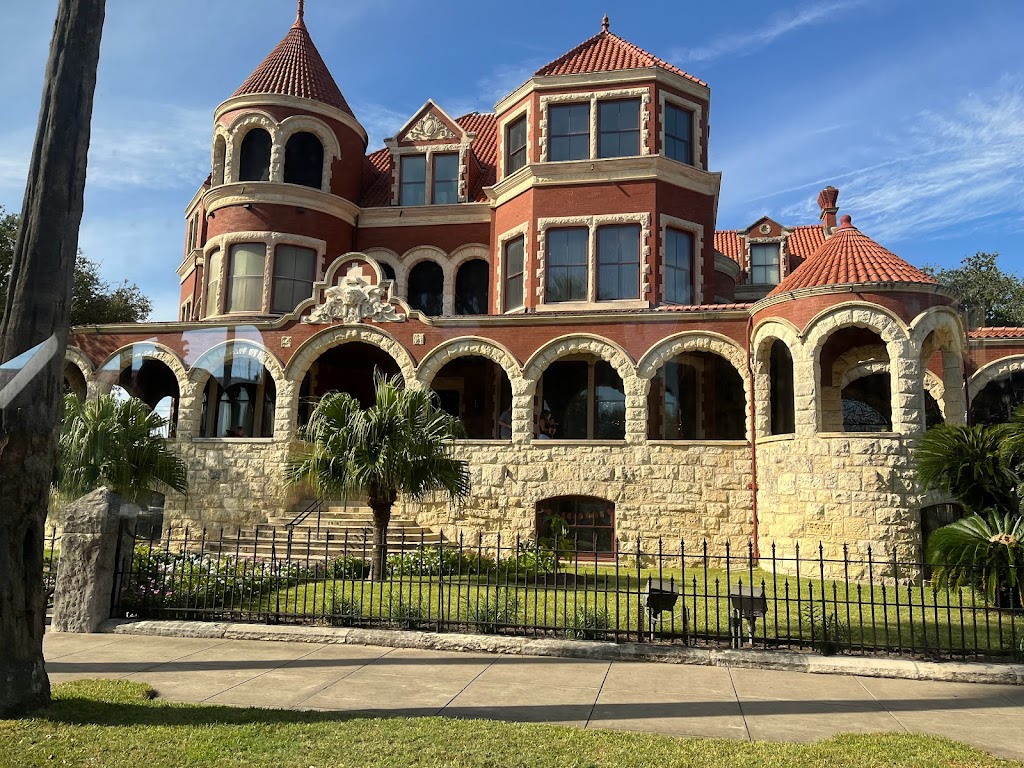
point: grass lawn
(116, 724)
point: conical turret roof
(851, 257)
(295, 68)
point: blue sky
(913, 108)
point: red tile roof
(377, 168)
(803, 241)
(850, 256)
(606, 52)
(295, 68)
(703, 307)
(997, 333)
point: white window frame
(697, 230)
(695, 109)
(593, 97)
(523, 230)
(503, 126)
(397, 153)
(780, 241)
(592, 223)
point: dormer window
(445, 187)
(618, 128)
(679, 134)
(570, 131)
(764, 264)
(515, 146)
(414, 180)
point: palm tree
(107, 442)
(402, 444)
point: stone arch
(449, 350)
(763, 338)
(308, 124)
(459, 257)
(468, 252)
(904, 366)
(421, 253)
(81, 368)
(697, 341)
(237, 132)
(387, 256)
(941, 330)
(80, 360)
(331, 337)
(997, 369)
(148, 350)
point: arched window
(697, 396)
(239, 400)
(350, 368)
(387, 270)
(586, 398)
(150, 380)
(476, 390)
(998, 400)
(780, 385)
(866, 404)
(304, 160)
(254, 162)
(589, 521)
(855, 388)
(426, 286)
(472, 285)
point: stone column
(89, 552)
(522, 410)
(907, 388)
(636, 390)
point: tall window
(515, 146)
(239, 400)
(566, 270)
(679, 134)
(515, 272)
(618, 262)
(254, 163)
(304, 160)
(586, 398)
(472, 283)
(678, 267)
(569, 131)
(764, 263)
(294, 272)
(445, 188)
(414, 180)
(245, 286)
(426, 284)
(618, 125)
(780, 388)
(214, 266)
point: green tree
(982, 287)
(93, 300)
(402, 444)
(112, 443)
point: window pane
(619, 127)
(569, 132)
(245, 291)
(294, 272)
(446, 180)
(515, 257)
(213, 283)
(679, 134)
(618, 259)
(609, 403)
(764, 263)
(414, 175)
(678, 267)
(566, 273)
(515, 143)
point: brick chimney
(827, 202)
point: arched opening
(932, 412)
(941, 359)
(239, 400)
(996, 403)
(588, 520)
(780, 385)
(133, 374)
(387, 270)
(304, 160)
(476, 390)
(585, 397)
(348, 367)
(220, 149)
(472, 288)
(254, 158)
(696, 396)
(855, 386)
(74, 381)
(426, 288)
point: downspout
(753, 438)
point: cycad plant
(401, 444)
(981, 550)
(112, 443)
(973, 464)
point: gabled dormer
(433, 162)
(763, 258)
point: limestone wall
(836, 489)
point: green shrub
(588, 624)
(493, 610)
(530, 560)
(408, 615)
(349, 567)
(829, 635)
(438, 561)
(343, 611)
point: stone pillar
(636, 390)
(907, 388)
(522, 410)
(89, 552)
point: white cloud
(741, 43)
(379, 121)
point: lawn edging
(906, 669)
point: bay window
(294, 272)
(618, 262)
(245, 277)
(678, 267)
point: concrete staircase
(337, 531)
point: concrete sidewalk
(671, 699)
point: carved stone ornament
(352, 301)
(429, 128)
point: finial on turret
(604, 23)
(300, 20)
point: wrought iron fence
(665, 592)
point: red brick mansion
(559, 254)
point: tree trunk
(38, 309)
(379, 556)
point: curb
(904, 669)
